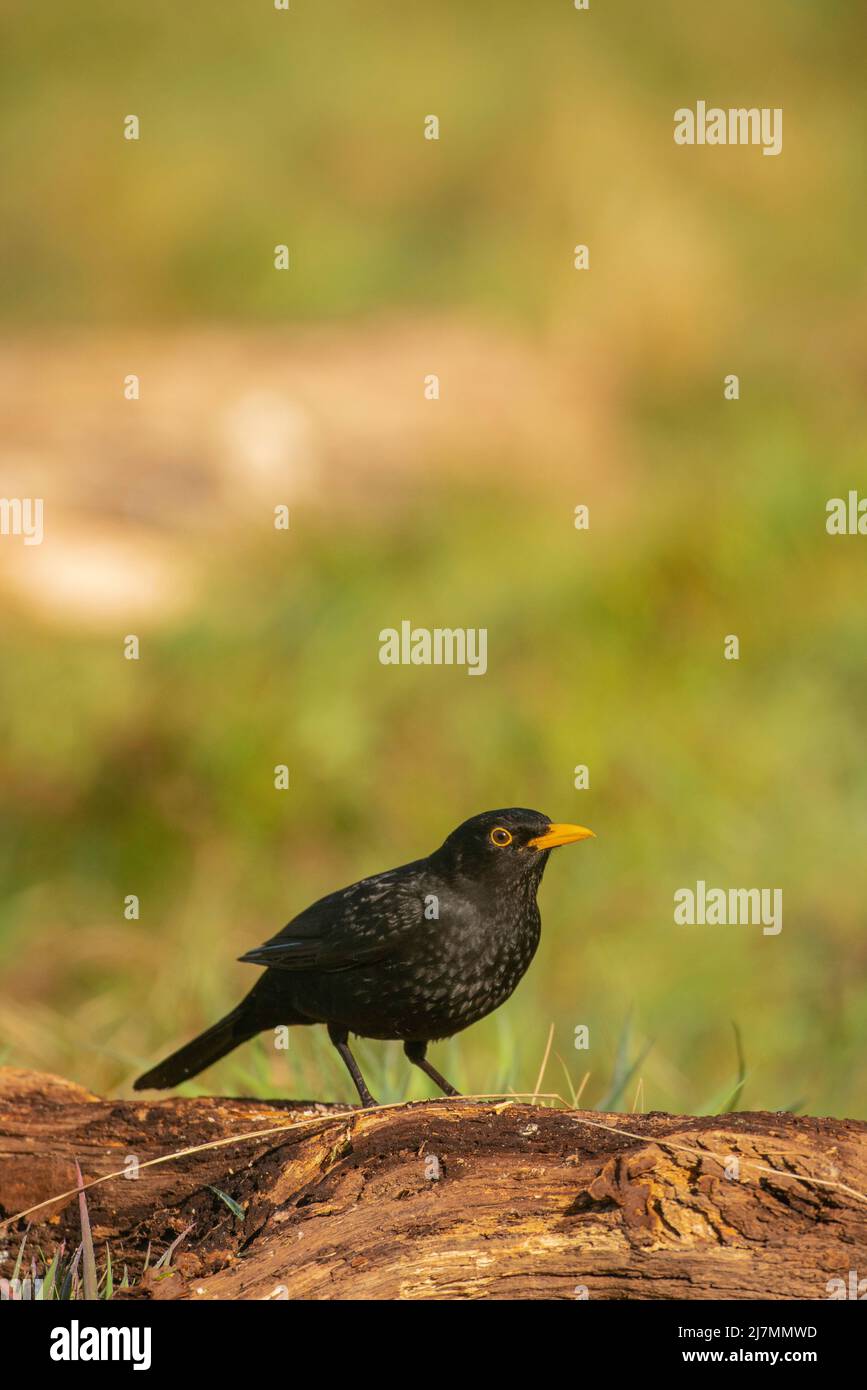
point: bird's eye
(500, 836)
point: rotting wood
(443, 1199)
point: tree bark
(445, 1199)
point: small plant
(76, 1275)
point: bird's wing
(365, 922)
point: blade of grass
(540, 1078)
(742, 1072)
(88, 1262)
(47, 1290)
(572, 1090)
(165, 1259)
(16, 1273)
(623, 1072)
(70, 1278)
(234, 1208)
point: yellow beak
(560, 835)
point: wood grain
(440, 1200)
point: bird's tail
(242, 1023)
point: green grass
(75, 1275)
(158, 780)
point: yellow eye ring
(500, 837)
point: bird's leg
(415, 1051)
(340, 1038)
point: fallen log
(447, 1199)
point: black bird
(416, 953)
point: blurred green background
(559, 387)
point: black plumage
(416, 953)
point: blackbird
(416, 953)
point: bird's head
(511, 842)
